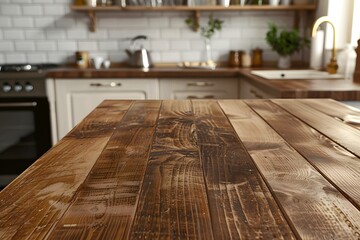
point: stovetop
(23, 80)
(26, 67)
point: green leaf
(285, 43)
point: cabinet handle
(205, 97)
(112, 84)
(256, 94)
(200, 84)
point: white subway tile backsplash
(54, 9)
(36, 57)
(238, 21)
(189, 34)
(159, 45)
(77, 34)
(32, 10)
(178, 23)
(118, 34)
(158, 22)
(132, 23)
(180, 45)
(21, 1)
(118, 56)
(170, 33)
(108, 45)
(65, 22)
(47, 30)
(15, 58)
(23, 22)
(46, 45)
(5, 22)
(192, 56)
(99, 34)
(43, 1)
(197, 45)
(67, 45)
(218, 44)
(13, 34)
(170, 56)
(253, 33)
(6, 46)
(87, 46)
(24, 46)
(34, 34)
(230, 33)
(55, 34)
(60, 57)
(10, 10)
(44, 22)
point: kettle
(140, 57)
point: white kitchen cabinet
(249, 91)
(76, 98)
(198, 88)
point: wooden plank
(339, 111)
(340, 133)
(101, 121)
(105, 204)
(337, 165)
(173, 203)
(241, 205)
(41, 194)
(314, 207)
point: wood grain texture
(230, 176)
(229, 169)
(105, 209)
(314, 207)
(344, 113)
(51, 182)
(173, 203)
(342, 134)
(337, 165)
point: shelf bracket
(196, 20)
(92, 18)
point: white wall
(47, 31)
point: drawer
(198, 88)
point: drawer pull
(205, 97)
(256, 94)
(200, 84)
(112, 84)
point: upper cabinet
(297, 9)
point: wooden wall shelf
(91, 11)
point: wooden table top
(226, 169)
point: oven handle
(19, 104)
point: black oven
(25, 132)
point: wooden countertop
(157, 72)
(339, 89)
(227, 169)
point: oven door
(24, 134)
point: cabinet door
(198, 88)
(77, 98)
(249, 91)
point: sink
(295, 74)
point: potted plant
(285, 44)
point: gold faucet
(332, 66)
